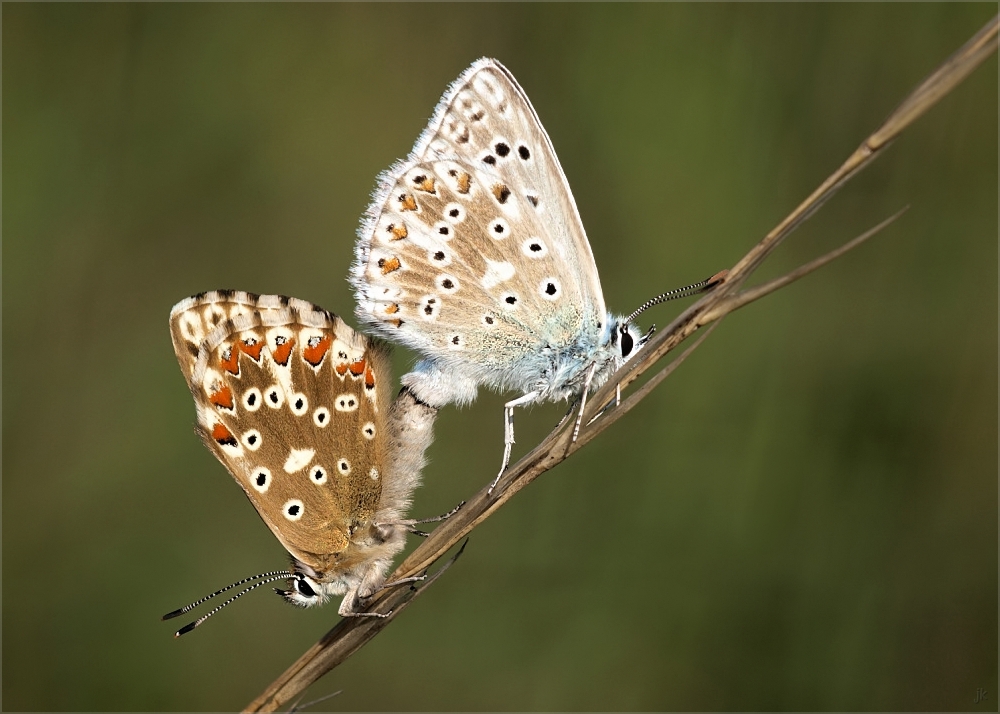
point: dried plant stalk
(350, 634)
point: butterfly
(296, 405)
(473, 253)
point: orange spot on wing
(427, 185)
(222, 398)
(407, 202)
(282, 351)
(369, 378)
(341, 368)
(391, 309)
(395, 322)
(464, 183)
(223, 436)
(357, 368)
(252, 347)
(314, 354)
(398, 232)
(501, 192)
(388, 265)
(230, 360)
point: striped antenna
(687, 291)
(267, 578)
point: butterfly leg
(365, 614)
(583, 400)
(508, 431)
(435, 519)
(347, 609)
(617, 403)
(370, 584)
(410, 522)
(401, 581)
(569, 412)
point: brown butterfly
(296, 405)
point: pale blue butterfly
(473, 253)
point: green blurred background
(804, 516)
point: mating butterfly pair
(472, 253)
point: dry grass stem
(350, 634)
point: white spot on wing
(496, 272)
(444, 232)
(499, 229)
(293, 509)
(260, 479)
(447, 284)
(534, 248)
(346, 403)
(457, 210)
(550, 289)
(298, 459)
(252, 399)
(299, 404)
(430, 307)
(274, 397)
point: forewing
(293, 402)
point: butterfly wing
(473, 249)
(290, 399)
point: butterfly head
(351, 572)
(620, 340)
(307, 588)
(303, 591)
(624, 339)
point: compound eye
(627, 341)
(303, 587)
